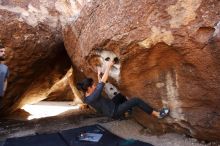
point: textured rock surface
(169, 56)
(36, 56)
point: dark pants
(129, 104)
(119, 99)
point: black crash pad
(37, 140)
(108, 139)
(71, 138)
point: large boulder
(31, 31)
(168, 56)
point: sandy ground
(128, 129)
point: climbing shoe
(163, 113)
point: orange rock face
(35, 52)
(168, 56)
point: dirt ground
(128, 129)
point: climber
(4, 72)
(94, 98)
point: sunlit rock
(169, 57)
